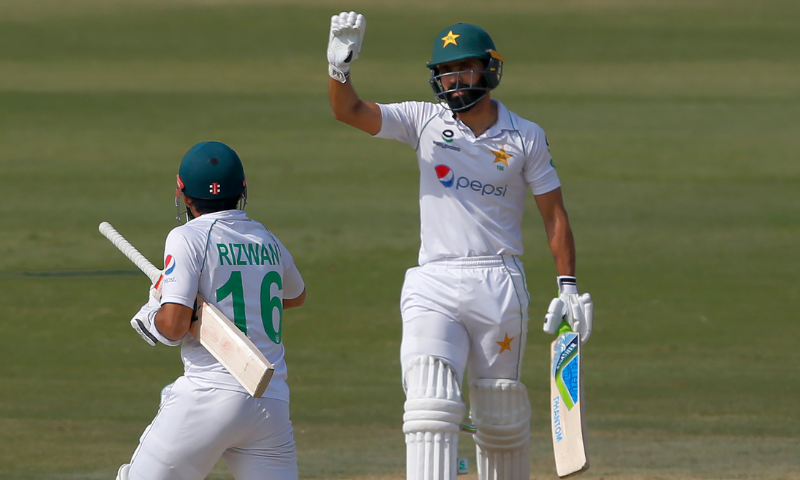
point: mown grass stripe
(74, 273)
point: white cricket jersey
(471, 190)
(245, 271)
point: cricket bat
(566, 404)
(229, 345)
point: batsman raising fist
(344, 43)
(466, 304)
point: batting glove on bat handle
(344, 43)
(570, 307)
(144, 321)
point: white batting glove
(344, 43)
(577, 310)
(144, 321)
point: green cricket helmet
(211, 171)
(459, 42)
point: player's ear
(193, 213)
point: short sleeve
(399, 122)
(181, 271)
(293, 284)
(540, 172)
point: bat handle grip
(131, 252)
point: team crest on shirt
(500, 156)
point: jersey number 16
(268, 303)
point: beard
(465, 99)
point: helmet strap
(242, 200)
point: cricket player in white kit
(245, 271)
(466, 305)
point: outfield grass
(674, 126)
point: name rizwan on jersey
(248, 254)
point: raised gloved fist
(344, 43)
(577, 310)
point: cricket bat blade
(567, 416)
(232, 348)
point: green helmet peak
(460, 41)
(211, 170)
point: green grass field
(674, 126)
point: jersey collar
(503, 123)
(225, 215)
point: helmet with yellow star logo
(459, 42)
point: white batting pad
(433, 414)
(502, 413)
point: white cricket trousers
(471, 309)
(195, 426)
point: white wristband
(567, 284)
(337, 74)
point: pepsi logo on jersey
(445, 174)
(448, 178)
(169, 265)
